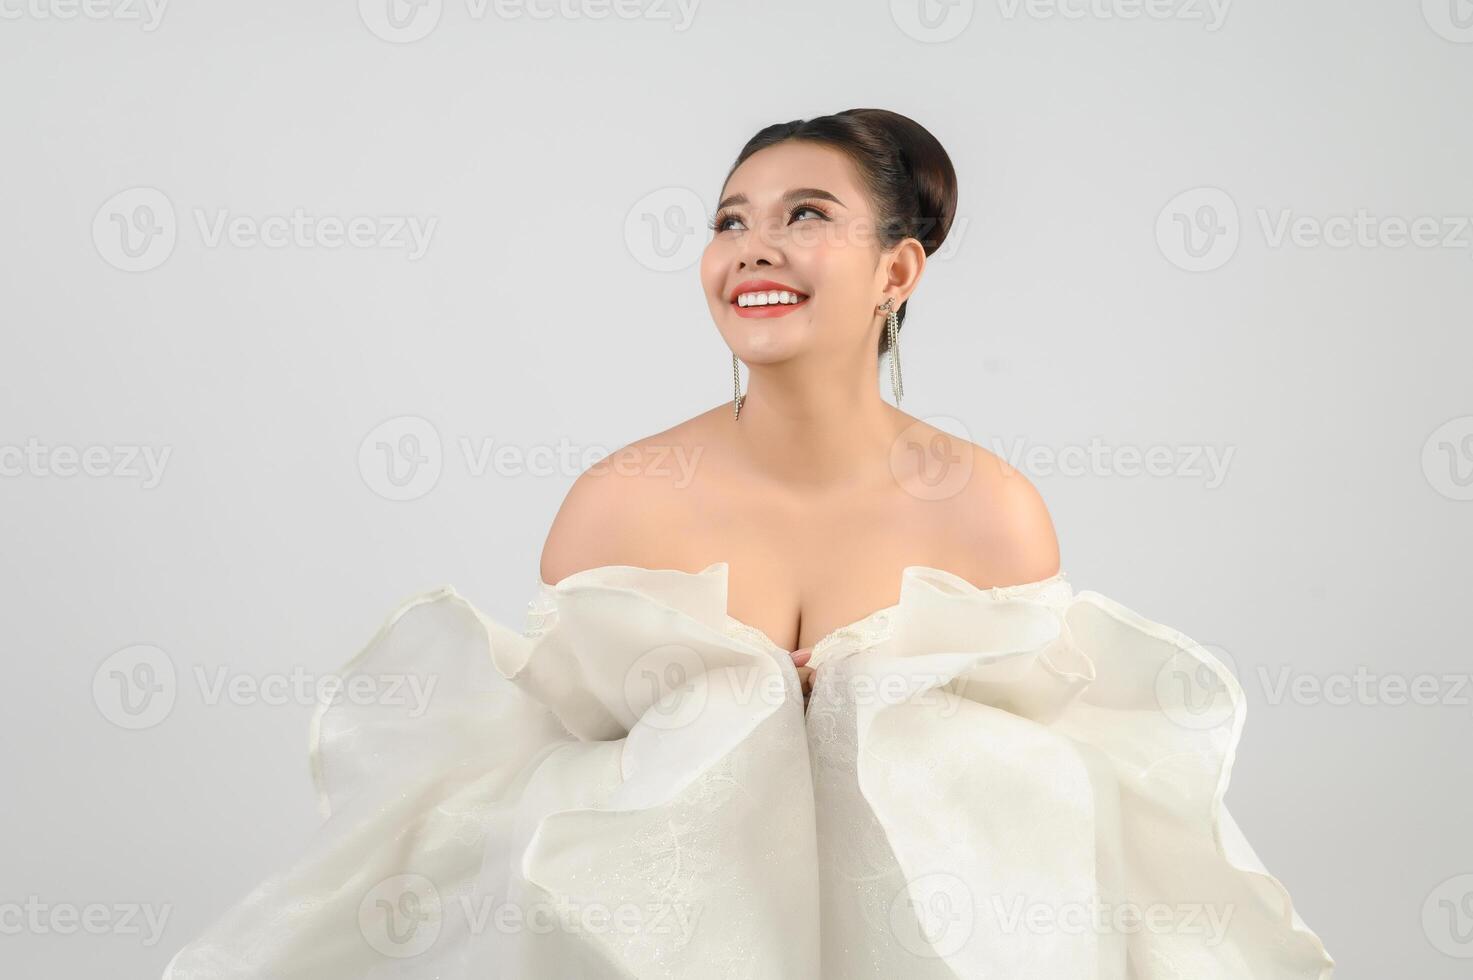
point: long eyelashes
(718, 223)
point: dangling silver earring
(736, 389)
(892, 331)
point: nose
(759, 247)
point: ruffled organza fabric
(1014, 782)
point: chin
(763, 342)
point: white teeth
(772, 298)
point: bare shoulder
(1008, 521)
(626, 508)
(1005, 534)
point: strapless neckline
(876, 618)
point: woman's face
(793, 214)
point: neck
(812, 424)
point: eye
(719, 223)
(723, 220)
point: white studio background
(252, 251)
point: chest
(800, 568)
(800, 588)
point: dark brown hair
(903, 168)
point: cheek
(713, 268)
(834, 269)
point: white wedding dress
(1019, 782)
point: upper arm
(590, 527)
(630, 508)
(1012, 529)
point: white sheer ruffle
(1011, 784)
(986, 783)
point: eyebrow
(792, 195)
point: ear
(903, 267)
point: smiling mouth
(771, 297)
(768, 302)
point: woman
(820, 226)
(817, 702)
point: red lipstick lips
(766, 286)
